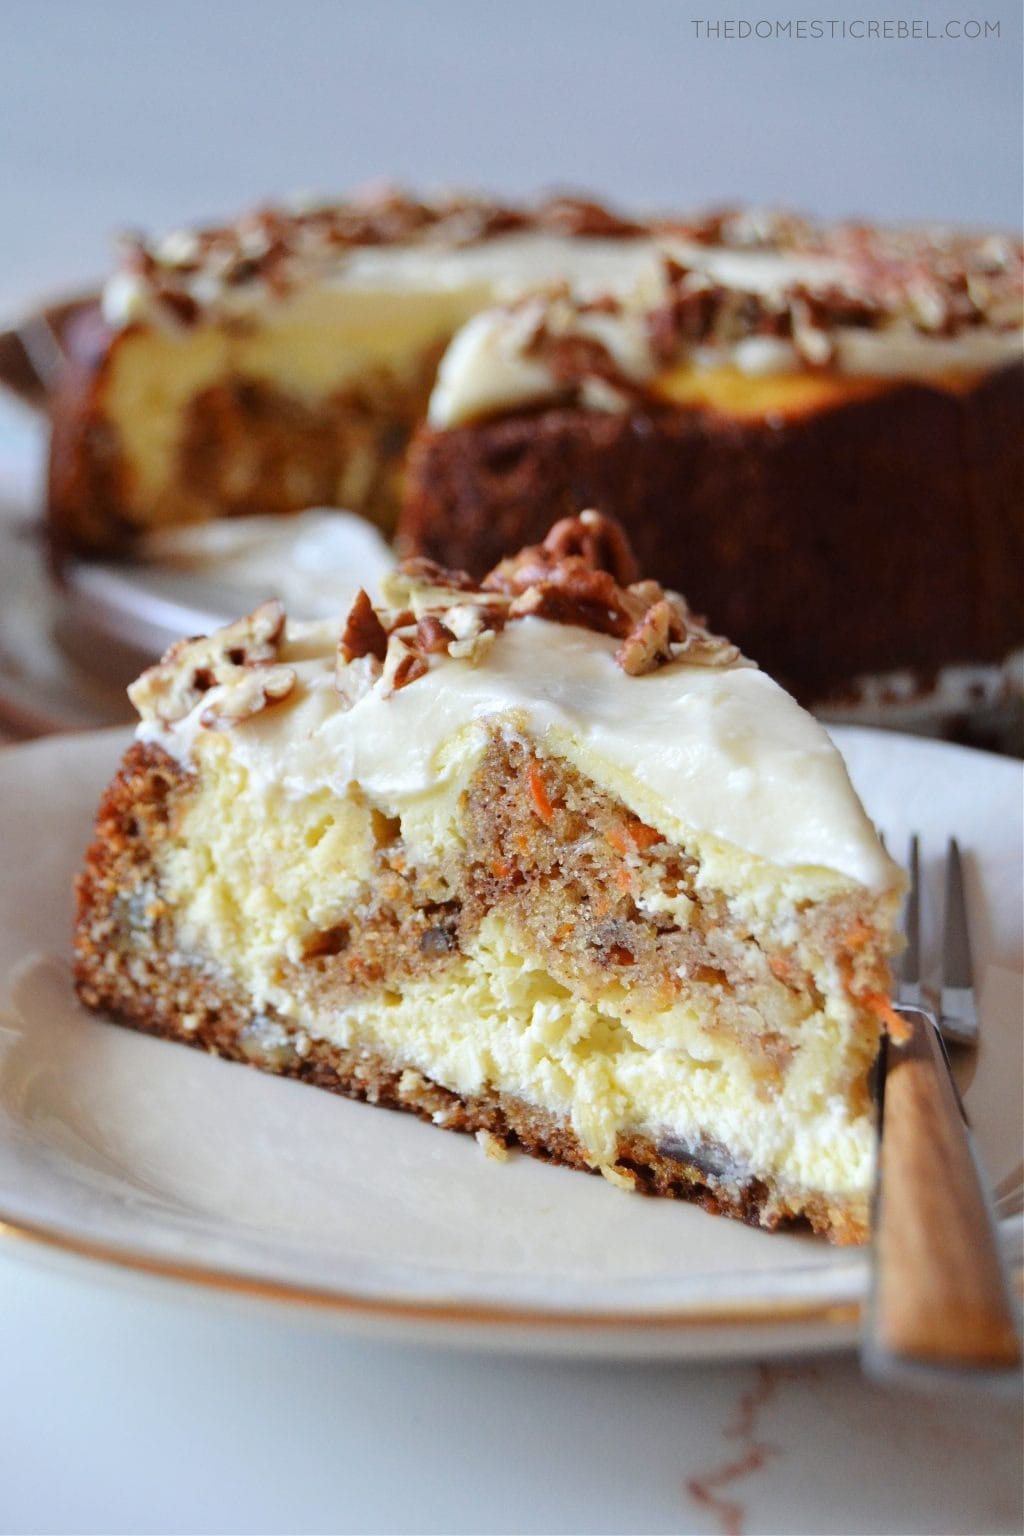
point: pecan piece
(474, 648)
(700, 648)
(254, 639)
(599, 540)
(649, 644)
(473, 628)
(574, 593)
(410, 667)
(403, 664)
(353, 680)
(571, 359)
(253, 691)
(420, 569)
(171, 689)
(364, 634)
(432, 636)
(813, 341)
(594, 541)
(578, 216)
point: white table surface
(146, 1409)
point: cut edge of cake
(539, 858)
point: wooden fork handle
(940, 1297)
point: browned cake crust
(128, 965)
(85, 496)
(890, 528)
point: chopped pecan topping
(812, 339)
(938, 284)
(579, 216)
(571, 358)
(423, 572)
(253, 691)
(364, 634)
(432, 635)
(648, 643)
(182, 306)
(687, 316)
(583, 573)
(464, 621)
(597, 541)
(473, 628)
(403, 664)
(353, 680)
(474, 647)
(408, 670)
(565, 333)
(571, 592)
(171, 690)
(600, 541)
(667, 631)
(256, 638)
(975, 279)
(700, 648)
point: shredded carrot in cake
(632, 837)
(878, 1004)
(857, 935)
(785, 970)
(872, 999)
(538, 790)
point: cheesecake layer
(654, 1024)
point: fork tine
(909, 991)
(958, 1008)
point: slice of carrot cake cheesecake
(537, 857)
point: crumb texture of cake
(539, 857)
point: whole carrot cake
(803, 426)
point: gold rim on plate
(739, 1315)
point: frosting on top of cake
(559, 346)
(763, 291)
(615, 675)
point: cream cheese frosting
(495, 363)
(501, 267)
(389, 277)
(720, 751)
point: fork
(940, 1309)
(958, 1013)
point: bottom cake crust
(228, 1028)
